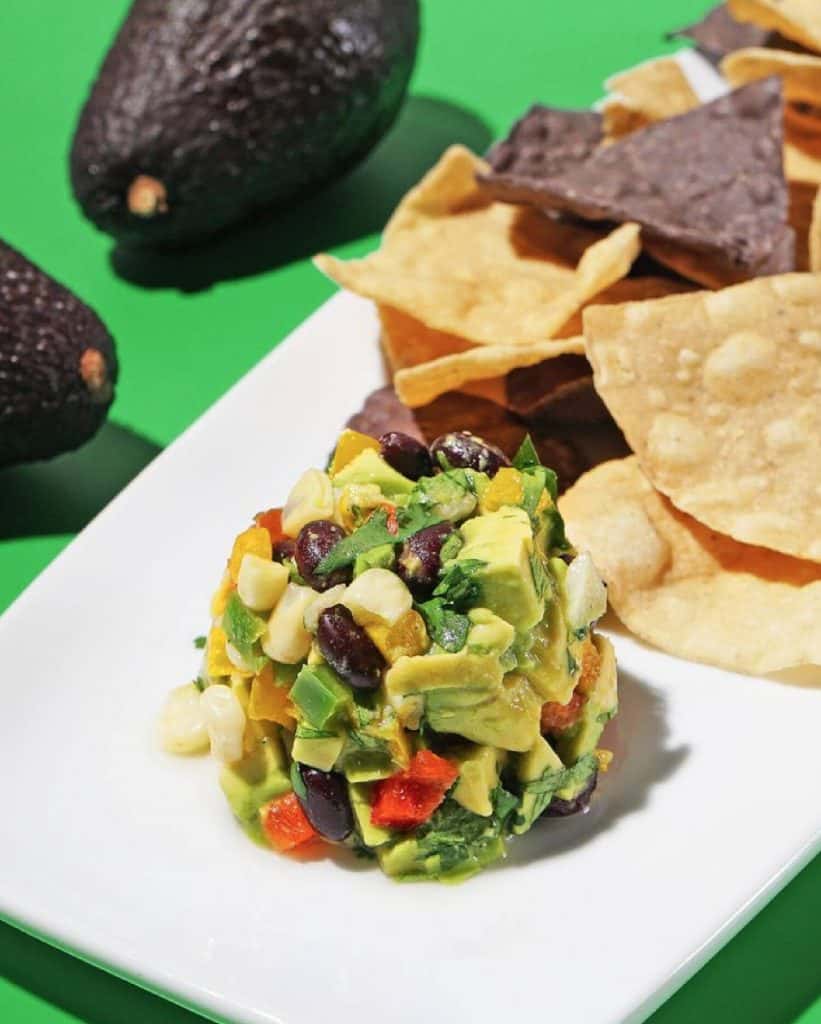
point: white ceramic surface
(131, 858)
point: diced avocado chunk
(503, 540)
(478, 778)
(541, 757)
(365, 758)
(381, 557)
(537, 790)
(317, 748)
(372, 835)
(404, 860)
(260, 776)
(477, 665)
(370, 468)
(599, 708)
(546, 664)
(320, 696)
(450, 495)
(507, 718)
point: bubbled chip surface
(717, 394)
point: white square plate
(130, 857)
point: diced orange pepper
(271, 520)
(254, 541)
(558, 717)
(217, 660)
(285, 824)
(350, 444)
(407, 799)
(269, 701)
(505, 489)
(221, 595)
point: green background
(187, 328)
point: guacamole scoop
(402, 659)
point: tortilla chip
(491, 272)
(706, 270)
(814, 244)
(799, 72)
(799, 20)
(717, 394)
(692, 592)
(802, 198)
(803, 119)
(629, 289)
(419, 385)
(801, 164)
(718, 33)
(652, 91)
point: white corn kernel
(225, 721)
(236, 658)
(286, 639)
(377, 595)
(261, 582)
(311, 498)
(586, 594)
(181, 724)
(331, 597)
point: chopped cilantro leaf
(447, 628)
(297, 782)
(504, 804)
(458, 587)
(526, 456)
(456, 836)
(541, 579)
(200, 642)
(371, 534)
(199, 682)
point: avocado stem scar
(147, 196)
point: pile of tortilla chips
(709, 537)
(558, 282)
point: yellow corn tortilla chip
(688, 590)
(717, 394)
(800, 72)
(804, 119)
(652, 91)
(492, 272)
(629, 289)
(419, 385)
(802, 198)
(815, 235)
(799, 20)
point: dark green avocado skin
(235, 106)
(57, 364)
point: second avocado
(206, 111)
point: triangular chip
(799, 20)
(800, 73)
(710, 180)
(649, 92)
(489, 272)
(717, 394)
(687, 589)
(814, 242)
(719, 33)
(546, 141)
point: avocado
(58, 367)
(601, 705)
(320, 696)
(260, 776)
(381, 557)
(370, 468)
(478, 778)
(503, 540)
(372, 835)
(546, 664)
(204, 113)
(540, 772)
(477, 666)
(507, 718)
(451, 495)
(318, 748)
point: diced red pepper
(557, 717)
(272, 521)
(407, 799)
(285, 824)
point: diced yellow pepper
(604, 757)
(254, 541)
(269, 700)
(504, 489)
(407, 636)
(217, 661)
(221, 595)
(350, 444)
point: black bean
(421, 559)
(315, 541)
(407, 455)
(326, 803)
(348, 649)
(466, 450)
